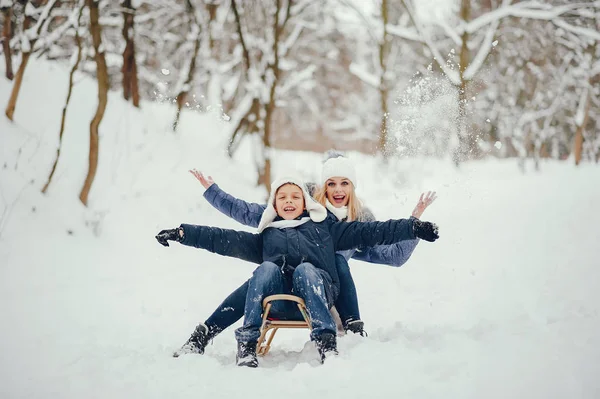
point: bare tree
(187, 76)
(265, 37)
(31, 35)
(384, 50)
(75, 64)
(129, 69)
(6, 7)
(103, 85)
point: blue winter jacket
(311, 242)
(249, 214)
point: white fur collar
(284, 224)
(340, 213)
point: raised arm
(241, 211)
(395, 254)
(236, 244)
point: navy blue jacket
(249, 214)
(311, 242)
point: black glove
(172, 235)
(426, 230)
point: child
(295, 248)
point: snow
(505, 304)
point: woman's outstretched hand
(205, 181)
(423, 203)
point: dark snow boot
(357, 327)
(246, 354)
(196, 343)
(326, 345)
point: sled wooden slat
(270, 327)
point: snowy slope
(505, 304)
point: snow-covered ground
(505, 304)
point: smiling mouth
(289, 209)
(339, 198)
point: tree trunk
(68, 100)
(265, 173)
(6, 36)
(464, 137)
(384, 48)
(14, 94)
(102, 77)
(182, 96)
(129, 69)
(578, 145)
(27, 23)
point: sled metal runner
(270, 326)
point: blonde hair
(354, 204)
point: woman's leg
(227, 313)
(347, 302)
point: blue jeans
(232, 308)
(307, 282)
(347, 302)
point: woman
(338, 196)
(295, 246)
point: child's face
(289, 201)
(338, 190)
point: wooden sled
(270, 326)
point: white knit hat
(337, 165)
(317, 212)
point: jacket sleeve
(392, 255)
(246, 213)
(349, 235)
(236, 244)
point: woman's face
(289, 201)
(338, 191)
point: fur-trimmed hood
(317, 212)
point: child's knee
(307, 272)
(267, 269)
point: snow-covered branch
(369, 78)
(526, 9)
(450, 73)
(484, 50)
(578, 30)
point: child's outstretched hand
(164, 236)
(205, 181)
(426, 230)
